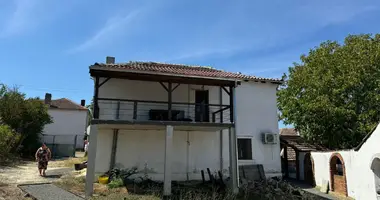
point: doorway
(201, 106)
(338, 174)
(375, 167)
(309, 170)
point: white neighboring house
(172, 121)
(69, 122)
(354, 173)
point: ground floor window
(244, 148)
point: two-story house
(172, 121)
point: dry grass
(75, 183)
(67, 162)
(118, 196)
(11, 192)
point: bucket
(103, 179)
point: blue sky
(47, 46)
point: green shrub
(8, 139)
(116, 183)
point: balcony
(158, 111)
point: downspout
(221, 131)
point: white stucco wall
(256, 113)
(66, 124)
(359, 176)
(322, 168)
(256, 110)
(364, 176)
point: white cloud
(20, 18)
(113, 25)
(238, 31)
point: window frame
(250, 154)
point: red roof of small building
(179, 70)
(288, 131)
(66, 104)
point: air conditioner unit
(270, 138)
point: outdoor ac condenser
(269, 138)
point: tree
(27, 117)
(333, 96)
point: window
(244, 148)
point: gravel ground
(25, 173)
(48, 192)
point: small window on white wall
(244, 148)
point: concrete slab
(47, 191)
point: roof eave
(101, 68)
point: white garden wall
(359, 176)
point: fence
(63, 145)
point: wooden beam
(176, 86)
(163, 85)
(135, 110)
(221, 132)
(170, 101)
(118, 110)
(286, 161)
(297, 164)
(96, 96)
(228, 92)
(105, 81)
(232, 93)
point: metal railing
(142, 110)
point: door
(201, 106)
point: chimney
(47, 98)
(110, 60)
(83, 102)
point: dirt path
(26, 173)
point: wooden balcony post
(118, 110)
(286, 161)
(232, 94)
(96, 96)
(170, 101)
(135, 110)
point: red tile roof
(179, 70)
(288, 131)
(66, 104)
(300, 144)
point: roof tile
(178, 69)
(67, 104)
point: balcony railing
(140, 110)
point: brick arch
(338, 183)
